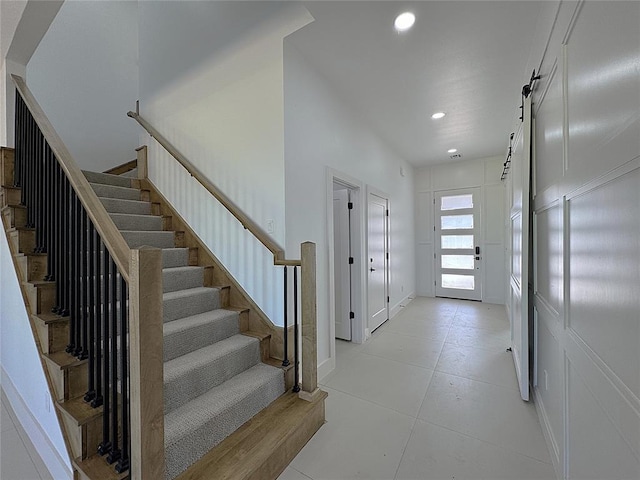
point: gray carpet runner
(214, 380)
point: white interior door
(519, 229)
(342, 267)
(457, 252)
(378, 262)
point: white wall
(483, 173)
(211, 80)
(587, 238)
(84, 74)
(21, 372)
(321, 131)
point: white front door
(342, 266)
(377, 265)
(458, 255)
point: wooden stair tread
(236, 309)
(268, 441)
(12, 205)
(258, 335)
(96, 467)
(276, 362)
(11, 187)
(63, 360)
(30, 254)
(40, 283)
(20, 229)
(49, 318)
(79, 410)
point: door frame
(378, 193)
(358, 279)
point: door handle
(372, 269)
(477, 250)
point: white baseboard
(550, 440)
(402, 303)
(59, 467)
(325, 368)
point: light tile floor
(432, 395)
(18, 457)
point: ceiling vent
(455, 156)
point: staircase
(214, 376)
(229, 409)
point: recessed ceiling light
(452, 150)
(438, 115)
(404, 21)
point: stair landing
(263, 447)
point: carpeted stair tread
(107, 179)
(189, 302)
(188, 334)
(175, 257)
(159, 238)
(130, 221)
(199, 425)
(118, 205)
(111, 191)
(193, 374)
(179, 278)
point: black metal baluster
(114, 454)
(91, 310)
(123, 462)
(84, 278)
(105, 445)
(65, 257)
(50, 207)
(296, 355)
(285, 361)
(39, 178)
(77, 276)
(72, 252)
(99, 340)
(24, 199)
(18, 125)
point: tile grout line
(415, 420)
(485, 441)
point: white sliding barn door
(519, 230)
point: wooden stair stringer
(263, 447)
(45, 370)
(257, 320)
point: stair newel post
(310, 389)
(285, 333)
(296, 346)
(146, 364)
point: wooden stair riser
(32, 267)
(224, 296)
(41, 297)
(69, 382)
(14, 216)
(54, 337)
(166, 223)
(7, 166)
(96, 468)
(11, 195)
(23, 241)
(179, 241)
(84, 439)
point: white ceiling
(467, 59)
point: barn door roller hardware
(526, 91)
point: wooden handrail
(111, 236)
(247, 222)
